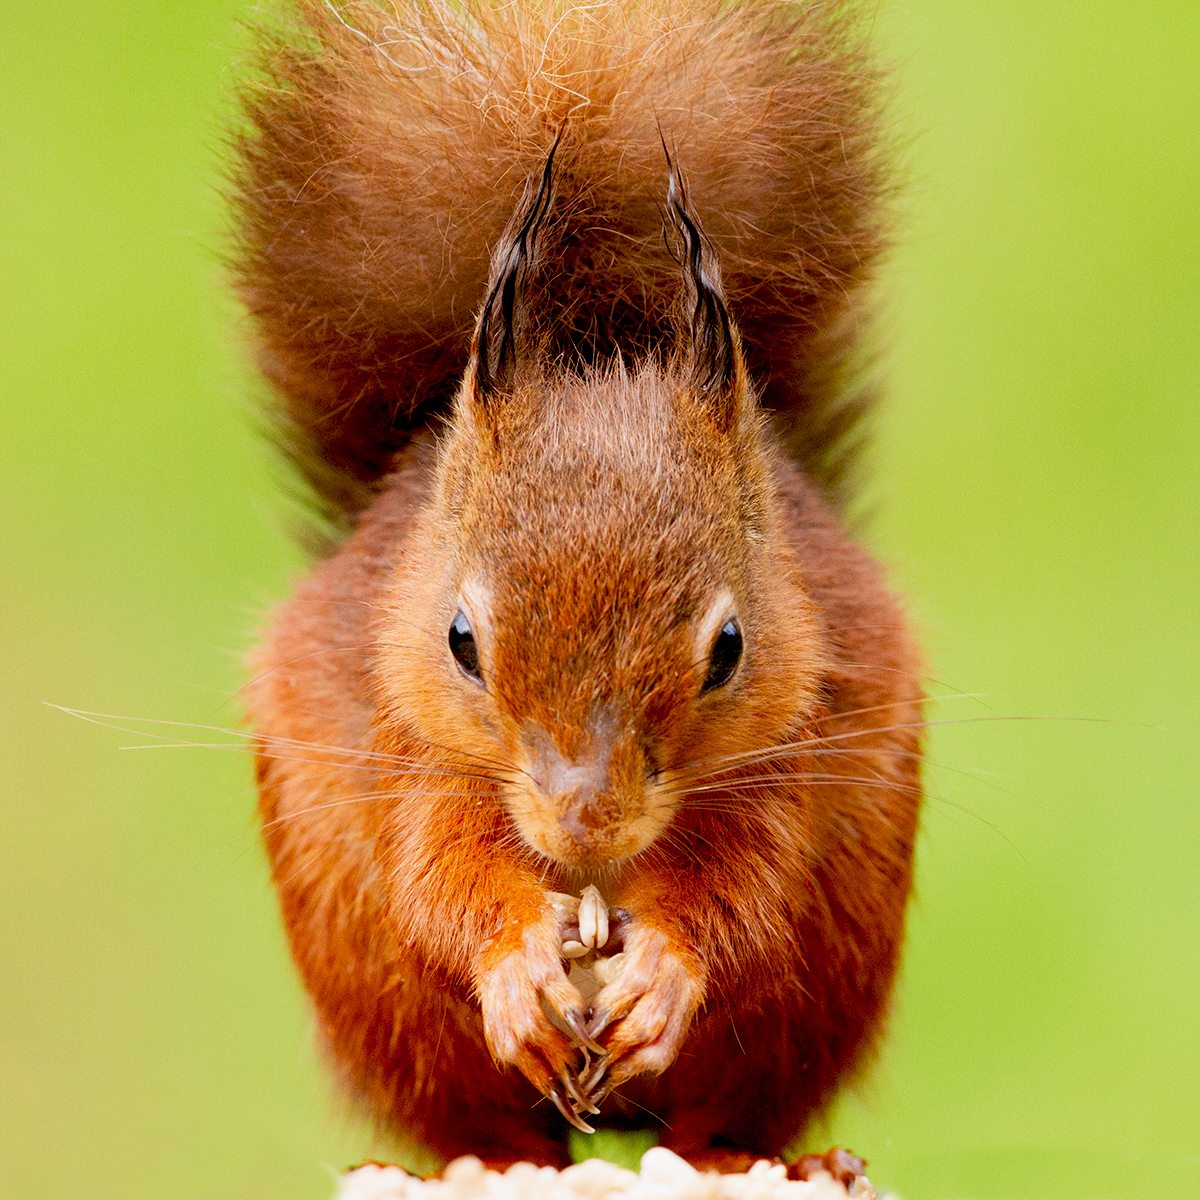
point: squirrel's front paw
(642, 1015)
(533, 1018)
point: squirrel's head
(606, 603)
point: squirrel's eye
(462, 646)
(725, 655)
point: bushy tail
(387, 145)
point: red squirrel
(563, 306)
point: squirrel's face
(611, 608)
(601, 607)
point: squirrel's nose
(577, 782)
(574, 758)
(578, 786)
(587, 801)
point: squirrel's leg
(398, 958)
(707, 1017)
(407, 1038)
(643, 1015)
(463, 900)
(653, 985)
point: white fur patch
(718, 612)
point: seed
(593, 918)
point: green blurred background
(1035, 489)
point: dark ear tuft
(501, 322)
(712, 343)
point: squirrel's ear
(502, 329)
(709, 341)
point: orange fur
(606, 493)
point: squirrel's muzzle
(588, 804)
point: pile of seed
(663, 1176)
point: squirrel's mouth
(591, 830)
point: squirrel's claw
(571, 1116)
(577, 1093)
(578, 1026)
(591, 1077)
